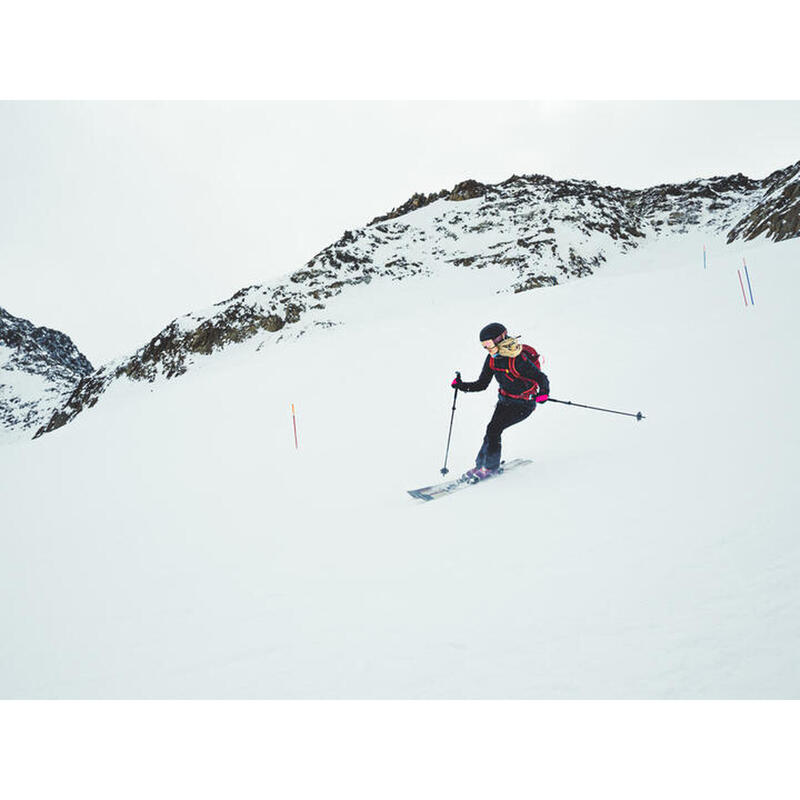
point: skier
(522, 386)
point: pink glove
(542, 398)
(456, 383)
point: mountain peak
(537, 230)
(38, 367)
(777, 214)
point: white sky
(117, 217)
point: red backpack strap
(531, 354)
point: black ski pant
(507, 412)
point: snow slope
(172, 543)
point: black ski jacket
(509, 385)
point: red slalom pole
(294, 424)
(749, 287)
(739, 273)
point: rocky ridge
(777, 214)
(544, 231)
(39, 369)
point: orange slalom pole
(294, 424)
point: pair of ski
(454, 485)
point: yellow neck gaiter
(509, 347)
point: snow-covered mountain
(777, 213)
(39, 369)
(187, 549)
(538, 231)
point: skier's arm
(529, 371)
(484, 379)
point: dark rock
(467, 190)
(48, 354)
(412, 204)
(777, 216)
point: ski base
(454, 485)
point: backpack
(530, 355)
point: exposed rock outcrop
(777, 215)
(39, 367)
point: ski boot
(477, 474)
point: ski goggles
(494, 342)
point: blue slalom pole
(749, 287)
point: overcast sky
(117, 217)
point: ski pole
(639, 416)
(444, 469)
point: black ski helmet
(494, 331)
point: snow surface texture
(528, 231)
(172, 543)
